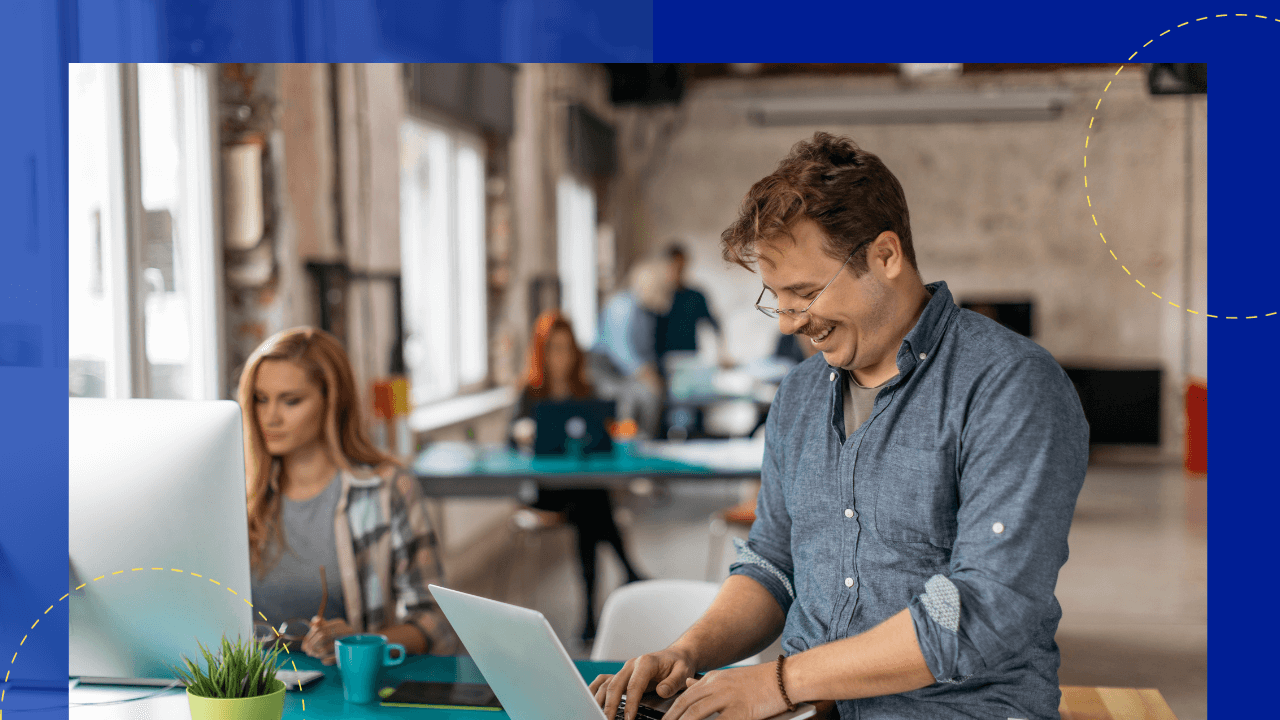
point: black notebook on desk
(412, 693)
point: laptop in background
(526, 666)
(562, 420)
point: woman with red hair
(556, 371)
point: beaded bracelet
(791, 707)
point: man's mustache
(814, 329)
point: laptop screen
(569, 426)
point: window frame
(128, 375)
(577, 254)
(458, 136)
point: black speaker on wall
(1122, 406)
(592, 143)
(1178, 78)
(645, 83)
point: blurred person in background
(678, 328)
(792, 348)
(918, 483)
(623, 363)
(556, 372)
(321, 495)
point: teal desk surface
(323, 699)
(467, 469)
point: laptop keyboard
(644, 713)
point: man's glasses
(774, 312)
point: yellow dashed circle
(13, 660)
(1089, 200)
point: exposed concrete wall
(586, 85)
(266, 288)
(1198, 332)
(330, 192)
(370, 109)
(532, 200)
(306, 120)
(998, 209)
(539, 158)
(645, 137)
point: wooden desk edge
(1113, 703)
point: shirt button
(833, 377)
(923, 356)
(848, 582)
(997, 528)
(848, 512)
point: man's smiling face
(849, 323)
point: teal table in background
(323, 699)
(459, 469)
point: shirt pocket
(917, 498)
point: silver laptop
(523, 661)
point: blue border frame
(38, 39)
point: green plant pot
(262, 707)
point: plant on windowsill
(239, 683)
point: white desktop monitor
(155, 484)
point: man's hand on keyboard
(666, 669)
(744, 693)
(644, 713)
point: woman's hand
(745, 693)
(524, 431)
(319, 640)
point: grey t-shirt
(858, 402)
(291, 588)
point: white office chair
(646, 616)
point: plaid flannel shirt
(387, 555)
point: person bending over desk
(918, 482)
(624, 360)
(322, 496)
(556, 372)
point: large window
(576, 255)
(142, 272)
(442, 245)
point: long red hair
(326, 363)
(536, 367)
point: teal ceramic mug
(360, 657)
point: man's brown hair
(846, 190)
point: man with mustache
(919, 479)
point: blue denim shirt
(953, 500)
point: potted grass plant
(238, 683)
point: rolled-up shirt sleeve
(1022, 459)
(766, 555)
